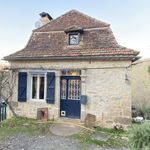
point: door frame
(67, 78)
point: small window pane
(73, 39)
(63, 89)
(34, 87)
(71, 72)
(74, 89)
(41, 92)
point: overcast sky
(129, 19)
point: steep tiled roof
(51, 41)
(72, 18)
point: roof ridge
(73, 10)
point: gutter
(132, 58)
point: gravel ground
(51, 142)
(47, 142)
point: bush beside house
(139, 137)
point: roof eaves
(70, 58)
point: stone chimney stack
(45, 18)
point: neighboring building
(141, 84)
(69, 60)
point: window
(38, 87)
(71, 72)
(63, 89)
(73, 39)
(74, 89)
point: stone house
(74, 66)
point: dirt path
(47, 142)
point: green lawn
(22, 125)
(114, 138)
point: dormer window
(74, 33)
(73, 38)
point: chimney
(45, 18)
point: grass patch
(139, 137)
(22, 125)
(114, 138)
(113, 132)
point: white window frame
(38, 75)
(69, 38)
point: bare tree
(7, 84)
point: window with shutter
(41, 86)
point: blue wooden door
(70, 96)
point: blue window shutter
(50, 94)
(22, 86)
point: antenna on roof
(38, 24)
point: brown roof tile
(72, 18)
(51, 41)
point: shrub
(139, 137)
(147, 113)
(137, 112)
(141, 112)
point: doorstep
(69, 121)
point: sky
(129, 19)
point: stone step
(69, 120)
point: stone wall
(109, 96)
(141, 84)
(106, 84)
